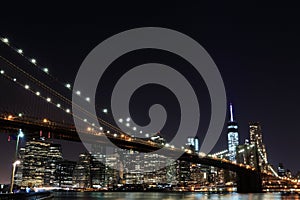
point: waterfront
(167, 196)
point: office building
(257, 140)
(64, 173)
(53, 157)
(37, 155)
(281, 170)
(193, 143)
(82, 171)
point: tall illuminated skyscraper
(232, 136)
(256, 139)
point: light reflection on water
(168, 196)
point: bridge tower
(251, 181)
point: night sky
(256, 49)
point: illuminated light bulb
(58, 105)
(105, 110)
(33, 61)
(26, 87)
(128, 119)
(46, 70)
(68, 85)
(127, 124)
(2, 72)
(78, 92)
(20, 114)
(108, 131)
(38, 93)
(88, 99)
(93, 124)
(134, 128)
(20, 51)
(14, 79)
(5, 40)
(48, 99)
(68, 110)
(141, 131)
(101, 128)
(85, 120)
(115, 135)
(120, 120)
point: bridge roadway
(248, 178)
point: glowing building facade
(232, 136)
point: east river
(168, 196)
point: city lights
(242, 165)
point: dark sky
(256, 49)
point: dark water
(168, 196)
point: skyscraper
(257, 140)
(64, 173)
(39, 163)
(193, 142)
(82, 171)
(281, 171)
(232, 136)
(53, 157)
(98, 166)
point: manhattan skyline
(258, 63)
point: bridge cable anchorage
(33, 61)
(58, 95)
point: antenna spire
(231, 112)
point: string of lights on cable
(46, 70)
(56, 94)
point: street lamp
(20, 135)
(17, 162)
